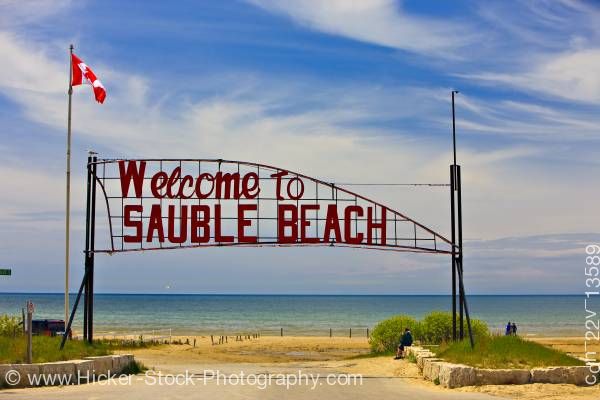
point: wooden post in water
(367, 333)
(330, 332)
(350, 333)
(281, 332)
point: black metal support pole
(460, 248)
(91, 254)
(460, 262)
(86, 297)
(454, 188)
(68, 327)
(87, 249)
(453, 228)
(464, 299)
(84, 282)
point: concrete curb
(61, 373)
(457, 375)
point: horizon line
(294, 294)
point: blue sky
(345, 91)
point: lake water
(300, 314)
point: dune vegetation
(491, 351)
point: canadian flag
(80, 71)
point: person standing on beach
(513, 329)
(508, 329)
(405, 341)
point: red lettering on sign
(193, 222)
(371, 225)
(219, 237)
(129, 223)
(299, 188)
(250, 192)
(156, 186)
(277, 177)
(227, 183)
(243, 222)
(129, 174)
(182, 225)
(173, 180)
(187, 181)
(209, 178)
(283, 223)
(305, 223)
(155, 224)
(200, 223)
(348, 225)
(332, 222)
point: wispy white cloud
(325, 139)
(572, 75)
(19, 13)
(380, 22)
(527, 120)
(546, 48)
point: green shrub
(436, 328)
(386, 334)
(480, 329)
(9, 326)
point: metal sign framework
(260, 205)
(308, 196)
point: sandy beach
(575, 346)
(341, 355)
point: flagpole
(68, 194)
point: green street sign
(5, 271)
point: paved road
(204, 384)
(371, 388)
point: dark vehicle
(48, 327)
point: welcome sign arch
(167, 204)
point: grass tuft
(134, 368)
(374, 354)
(504, 352)
(47, 349)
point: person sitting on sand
(405, 341)
(508, 329)
(513, 329)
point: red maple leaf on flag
(81, 71)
